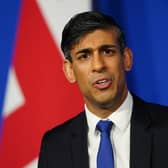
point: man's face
(98, 66)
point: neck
(104, 110)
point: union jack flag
(37, 95)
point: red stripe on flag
(50, 100)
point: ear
(128, 59)
(68, 71)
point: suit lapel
(140, 152)
(79, 145)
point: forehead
(96, 38)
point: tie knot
(104, 126)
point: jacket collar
(140, 152)
(79, 142)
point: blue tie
(105, 158)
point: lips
(102, 83)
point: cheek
(82, 78)
(81, 72)
(119, 73)
(121, 78)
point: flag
(36, 95)
(7, 34)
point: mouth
(102, 84)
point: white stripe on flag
(14, 97)
(57, 13)
(32, 164)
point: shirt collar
(120, 118)
(92, 120)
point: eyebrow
(87, 50)
(109, 46)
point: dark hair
(84, 23)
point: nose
(98, 64)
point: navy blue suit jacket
(66, 145)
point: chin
(106, 103)
(107, 99)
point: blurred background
(34, 94)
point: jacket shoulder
(158, 113)
(56, 143)
(62, 130)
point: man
(97, 58)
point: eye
(84, 56)
(109, 51)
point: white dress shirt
(120, 134)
